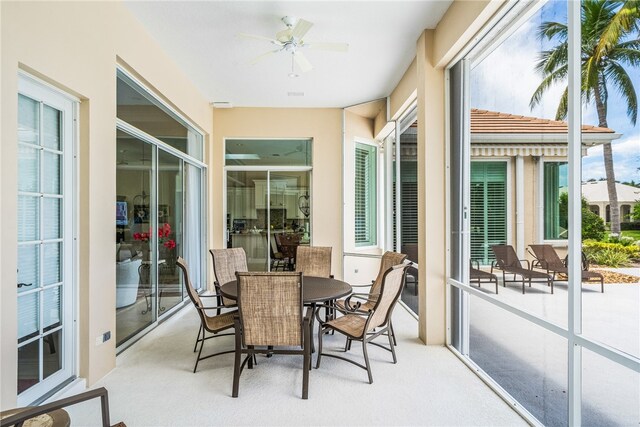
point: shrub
(609, 257)
(622, 240)
(592, 225)
(610, 254)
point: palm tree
(610, 45)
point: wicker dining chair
(314, 261)
(365, 326)
(225, 264)
(270, 317)
(388, 260)
(211, 324)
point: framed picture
(122, 217)
(140, 214)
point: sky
(505, 80)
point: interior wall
(357, 270)
(75, 46)
(324, 125)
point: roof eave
(589, 139)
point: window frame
(371, 213)
(541, 223)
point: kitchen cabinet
(242, 203)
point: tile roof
(491, 122)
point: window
(555, 200)
(365, 194)
(488, 209)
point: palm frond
(559, 75)
(619, 77)
(550, 30)
(623, 21)
(563, 105)
(627, 56)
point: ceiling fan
(291, 40)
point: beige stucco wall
(435, 49)
(76, 47)
(324, 125)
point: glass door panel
(135, 292)
(169, 226)
(194, 230)
(43, 344)
(289, 209)
(247, 215)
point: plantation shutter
(409, 201)
(488, 208)
(365, 194)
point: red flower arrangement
(163, 236)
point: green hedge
(626, 226)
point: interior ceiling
(202, 38)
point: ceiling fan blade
(254, 36)
(302, 62)
(335, 47)
(259, 58)
(301, 29)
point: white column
(575, 219)
(520, 206)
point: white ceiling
(202, 37)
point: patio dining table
(314, 289)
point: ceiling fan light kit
(290, 40)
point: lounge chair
(547, 259)
(479, 276)
(508, 262)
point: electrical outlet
(106, 336)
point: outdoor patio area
(153, 385)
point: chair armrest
(28, 413)
(356, 306)
(528, 263)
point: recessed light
(295, 93)
(294, 75)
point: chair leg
(551, 284)
(320, 333)
(391, 344)
(199, 352)
(236, 366)
(195, 346)
(392, 332)
(602, 285)
(366, 359)
(306, 361)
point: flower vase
(146, 254)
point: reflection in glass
(138, 108)
(529, 362)
(51, 357)
(610, 392)
(268, 214)
(170, 228)
(272, 152)
(28, 363)
(406, 203)
(135, 292)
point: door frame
(39, 90)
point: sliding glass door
(159, 209)
(268, 200)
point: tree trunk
(607, 153)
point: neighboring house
(518, 171)
(598, 197)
